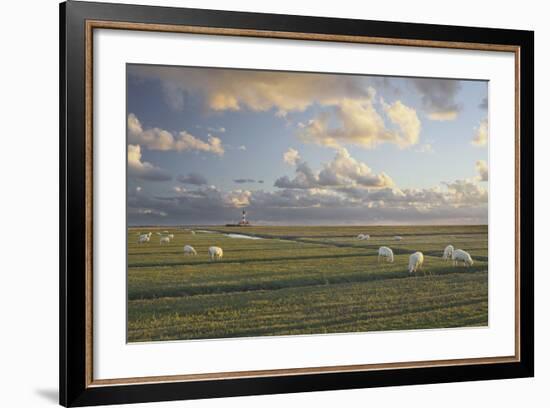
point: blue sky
(304, 148)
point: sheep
(415, 262)
(171, 236)
(398, 238)
(215, 253)
(360, 236)
(386, 253)
(189, 250)
(164, 239)
(363, 236)
(462, 256)
(448, 252)
(144, 238)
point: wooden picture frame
(78, 20)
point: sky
(295, 148)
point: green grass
(302, 280)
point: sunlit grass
(302, 280)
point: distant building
(242, 223)
(243, 220)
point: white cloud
(342, 171)
(483, 170)
(425, 148)
(237, 198)
(144, 170)
(345, 99)
(160, 139)
(242, 148)
(406, 120)
(481, 134)
(360, 124)
(187, 141)
(291, 156)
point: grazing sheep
(386, 253)
(215, 253)
(144, 238)
(398, 238)
(189, 250)
(462, 256)
(415, 262)
(360, 236)
(363, 236)
(164, 239)
(448, 252)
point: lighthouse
(244, 221)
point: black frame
(73, 390)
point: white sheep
(386, 253)
(462, 256)
(415, 261)
(189, 250)
(171, 236)
(363, 236)
(144, 238)
(164, 239)
(398, 238)
(448, 252)
(215, 253)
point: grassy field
(302, 280)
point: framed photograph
(257, 204)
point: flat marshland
(302, 280)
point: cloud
(481, 134)
(466, 192)
(242, 147)
(347, 100)
(291, 156)
(359, 123)
(425, 148)
(220, 129)
(257, 90)
(439, 97)
(187, 141)
(160, 139)
(342, 171)
(141, 170)
(179, 189)
(243, 181)
(237, 198)
(193, 178)
(484, 104)
(457, 202)
(483, 170)
(406, 120)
